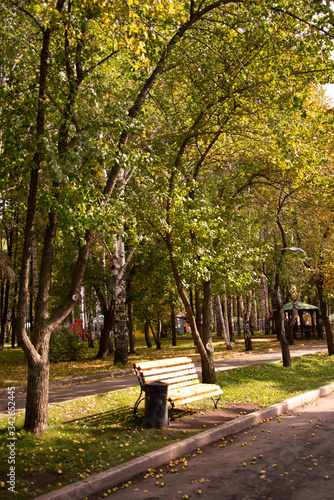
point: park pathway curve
(71, 389)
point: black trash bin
(156, 411)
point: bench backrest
(172, 371)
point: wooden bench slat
(185, 383)
(170, 380)
(182, 369)
(195, 390)
(161, 362)
(194, 398)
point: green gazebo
(305, 329)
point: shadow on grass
(117, 416)
(122, 417)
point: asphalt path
(89, 388)
(287, 457)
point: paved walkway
(283, 458)
(74, 390)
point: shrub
(65, 346)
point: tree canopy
(192, 131)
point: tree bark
(208, 328)
(230, 318)
(246, 328)
(320, 324)
(159, 330)
(265, 304)
(280, 326)
(198, 310)
(173, 324)
(36, 418)
(218, 317)
(238, 315)
(280, 316)
(222, 322)
(147, 334)
(5, 289)
(90, 331)
(255, 317)
(108, 323)
(324, 315)
(119, 299)
(290, 323)
(131, 328)
(156, 337)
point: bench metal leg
(137, 403)
(216, 401)
(172, 408)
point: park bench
(183, 383)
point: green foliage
(65, 346)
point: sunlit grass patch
(268, 384)
(91, 434)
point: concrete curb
(124, 472)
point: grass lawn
(14, 364)
(91, 434)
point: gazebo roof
(301, 307)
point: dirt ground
(187, 421)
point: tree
(86, 115)
(67, 149)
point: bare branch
(16, 4)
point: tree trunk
(238, 316)
(198, 310)
(218, 317)
(36, 417)
(120, 326)
(6, 289)
(222, 322)
(280, 326)
(265, 304)
(34, 272)
(13, 310)
(119, 299)
(156, 337)
(131, 328)
(2, 330)
(230, 318)
(290, 324)
(246, 328)
(225, 313)
(104, 345)
(90, 331)
(320, 323)
(207, 329)
(255, 318)
(147, 334)
(159, 330)
(324, 315)
(98, 324)
(173, 322)
(280, 316)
